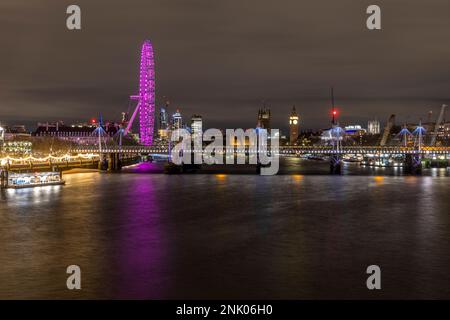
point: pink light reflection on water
(141, 249)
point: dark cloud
(222, 58)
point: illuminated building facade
(15, 132)
(444, 131)
(17, 147)
(373, 127)
(354, 130)
(81, 133)
(263, 118)
(177, 120)
(197, 125)
(163, 121)
(163, 128)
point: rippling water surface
(289, 236)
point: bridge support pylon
(102, 162)
(114, 162)
(110, 162)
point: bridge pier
(335, 164)
(110, 162)
(114, 162)
(102, 162)
(413, 163)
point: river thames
(229, 236)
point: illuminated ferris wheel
(146, 97)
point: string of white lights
(66, 157)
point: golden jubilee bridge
(282, 150)
(116, 156)
(411, 157)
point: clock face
(295, 121)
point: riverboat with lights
(29, 180)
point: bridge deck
(283, 150)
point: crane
(437, 125)
(387, 130)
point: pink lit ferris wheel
(146, 97)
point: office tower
(196, 125)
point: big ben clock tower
(293, 127)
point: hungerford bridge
(111, 155)
(282, 150)
(412, 155)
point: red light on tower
(334, 111)
(334, 114)
(93, 120)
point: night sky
(221, 59)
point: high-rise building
(263, 118)
(177, 120)
(293, 126)
(373, 127)
(197, 125)
(163, 124)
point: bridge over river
(411, 156)
(282, 150)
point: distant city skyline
(221, 60)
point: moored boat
(29, 180)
